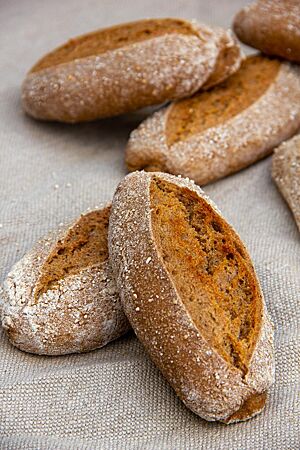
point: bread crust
(272, 26)
(204, 381)
(139, 74)
(286, 173)
(224, 149)
(82, 313)
(229, 58)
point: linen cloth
(114, 398)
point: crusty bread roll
(190, 292)
(286, 173)
(61, 297)
(126, 67)
(216, 133)
(272, 26)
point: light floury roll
(126, 67)
(61, 297)
(219, 132)
(189, 289)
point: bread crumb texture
(210, 270)
(209, 109)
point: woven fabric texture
(114, 398)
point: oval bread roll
(286, 173)
(126, 67)
(61, 297)
(225, 129)
(272, 26)
(190, 292)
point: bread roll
(190, 292)
(219, 132)
(126, 67)
(286, 173)
(272, 26)
(61, 297)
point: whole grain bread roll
(272, 26)
(219, 132)
(126, 67)
(61, 297)
(190, 292)
(286, 173)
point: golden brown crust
(208, 385)
(56, 302)
(272, 26)
(235, 141)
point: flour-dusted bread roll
(216, 133)
(126, 67)
(61, 297)
(286, 173)
(272, 26)
(189, 289)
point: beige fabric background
(114, 398)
